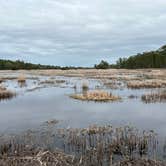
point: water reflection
(22, 84)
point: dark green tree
(102, 65)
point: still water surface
(31, 109)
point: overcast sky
(80, 32)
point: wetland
(87, 117)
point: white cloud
(77, 32)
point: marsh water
(39, 101)
(33, 107)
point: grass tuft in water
(154, 97)
(96, 95)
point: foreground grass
(92, 146)
(58, 158)
(37, 157)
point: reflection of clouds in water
(22, 84)
(56, 102)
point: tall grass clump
(21, 79)
(96, 95)
(1, 80)
(85, 86)
(154, 97)
(6, 94)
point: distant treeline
(153, 59)
(17, 65)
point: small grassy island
(96, 95)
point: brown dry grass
(108, 74)
(85, 85)
(21, 79)
(146, 84)
(92, 146)
(154, 97)
(117, 74)
(39, 158)
(2, 88)
(6, 94)
(140, 162)
(96, 95)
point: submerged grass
(96, 95)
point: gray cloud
(79, 32)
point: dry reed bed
(39, 158)
(100, 144)
(57, 158)
(18, 78)
(116, 74)
(154, 97)
(142, 162)
(95, 95)
(93, 73)
(93, 146)
(146, 84)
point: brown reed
(92, 146)
(6, 94)
(146, 84)
(96, 95)
(21, 79)
(154, 97)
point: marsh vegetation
(6, 94)
(159, 96)
(95, 145)
(96, 95)
(147, 84)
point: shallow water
(30, 109)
